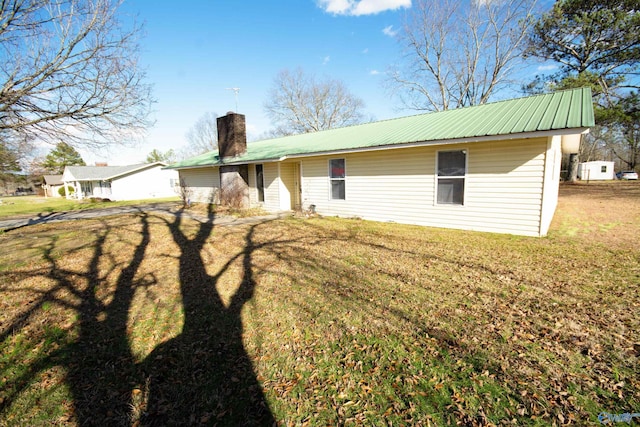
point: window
(87, 188)
(603, 169)
(260, 182)
(337, 178)
(452, 169)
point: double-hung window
(452, 170)
(337, 178)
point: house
(494, 167)
(140, 181)
(596, 171)
(52, 185)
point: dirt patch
(610, 190)
(607, 212)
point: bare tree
(69, 71)
(298, 103)
(460, 53)
(202, 136)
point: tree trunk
(572, 175)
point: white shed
(596, 171)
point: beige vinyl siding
(379, 185)
(203, 183)
(253, 191)
(272, 187)
(503, 186)
(551, 183)
(287, 187)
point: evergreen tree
(62, 155)
(158, 156)
(594, 40)
(597, 45)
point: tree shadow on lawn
(203, 375)
(205, 371)
(99, 365)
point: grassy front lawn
(150, 320)
(25, 205)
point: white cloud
(374, 72)
(389, 31)
(337, 7)
(547, 67)
(361, 7)
(326, 60)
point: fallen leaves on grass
(350, 323)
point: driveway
(163, 208)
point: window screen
(337, 177)
(452, 169)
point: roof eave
(228, 163)
(466, 140)
(128, 172)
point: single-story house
(493, 167)
(140, 181)
(52, 185)
(598, 170)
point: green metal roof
(569, 109)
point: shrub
(70, 190)
(233, 196)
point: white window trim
(331, 199)
(464, 177)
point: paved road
(165, 208)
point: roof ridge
(553, 111)
(450, 110)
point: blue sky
(194, 51)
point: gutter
(466, 140)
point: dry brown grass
(606, 212)
(139, 319)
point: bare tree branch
(459, 54)
(298, 103)
(202, 136)
(69, 71)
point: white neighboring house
(596, 171)
(52, 183)
(132, 182)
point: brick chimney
(232, 135)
